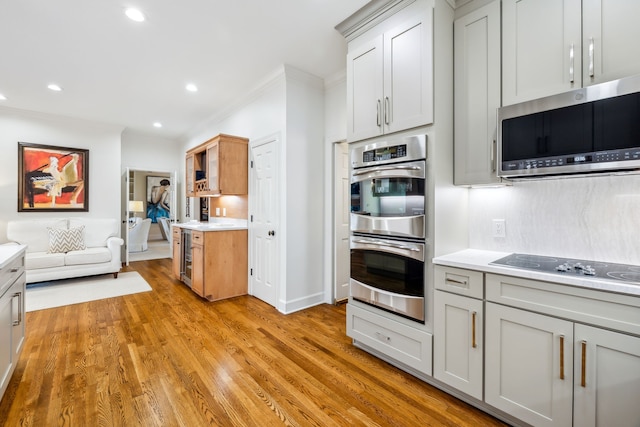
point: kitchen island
(212, 257)
(556, 348)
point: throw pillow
(62, 241)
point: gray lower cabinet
(458, 342)
(554, 355)
(606, 378)
(12, 316)
(408, 345)
(529, 365)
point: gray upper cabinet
(390, 74)
(477, 94)
(552, 46)
(610, 34)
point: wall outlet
(499, 228)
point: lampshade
(135, 206)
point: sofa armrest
(114, 242)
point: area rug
(73, 291)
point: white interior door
(341, 197)
(263, 228)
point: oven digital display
(385, 153)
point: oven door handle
(385, 169)
(390, 245)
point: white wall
(335, 108)
(595, 218)
(152, 153)
(305, 181)
(102, 141)
(335, 130)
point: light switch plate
(499, 228)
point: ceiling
(117, 71)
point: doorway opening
(149, 206)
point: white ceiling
(117, 71)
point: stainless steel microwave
(593, 129)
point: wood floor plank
(170, 358)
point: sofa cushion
(38, 260)
(87, 256)
(33, 233)
(96, 230)
(66, 240)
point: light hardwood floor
(169, 358)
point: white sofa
(101, 253)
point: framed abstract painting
(52, 179)
(158, 197)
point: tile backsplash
(595, 217)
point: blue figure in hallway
(158, 204)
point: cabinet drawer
(197, 238)
(459, 281)
(606, 309)
(10, 273)
(401, 342)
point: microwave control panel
(574, 159)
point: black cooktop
(572, 267)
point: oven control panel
(383, 152)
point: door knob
(271, 233)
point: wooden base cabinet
(219, 264)
(176, 239)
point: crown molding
(369, 15)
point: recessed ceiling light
(2, 97)
(134, 14)
(55, 87)
(192, 88)
(157, 125)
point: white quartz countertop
(9, 252)
(479, 260)
(222, 225)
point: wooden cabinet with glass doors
(218, 166)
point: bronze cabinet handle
(562, 357)
(473, 329)
(583, 368)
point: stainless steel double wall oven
(388, 202)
